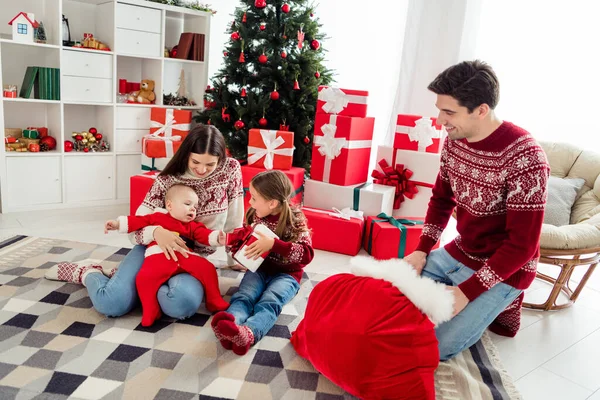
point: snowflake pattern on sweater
(499, 189)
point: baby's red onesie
(156, 269)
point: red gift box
(42, 131)
(241, 238)
(168, 122)
(159, 146)
(387, 237)
(270, 149)
(345, 102)
(329, 226)
(417, 133)
(295, 174)
(341, 149)
(139, 185)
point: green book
(28, 82)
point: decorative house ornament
(23, 26)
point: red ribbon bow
(399, 178)
(236, 238)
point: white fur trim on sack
(429, 296)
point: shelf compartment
(80, 118)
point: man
(495, 174)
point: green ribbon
(147, 168)
(356, 199)
(399, 223)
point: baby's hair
(275, 185)
(176, 190)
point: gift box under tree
(341, 149)
(344, 102)
(387, 237)
(328, 226)
(139, 185)
(270, 149)
(168, 127)
(369, 198)
(417, 133)
(295, 174)
(412, 175)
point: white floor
(556, 355)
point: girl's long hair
(275, 185)
(202, 139)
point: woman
(202, 164)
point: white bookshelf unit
(137, 32)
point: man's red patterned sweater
(499, 188)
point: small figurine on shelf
(88, 141)
(23, 26)
(90, 42)
(145, 95)
(40, 33)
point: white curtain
(545, 55)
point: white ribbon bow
(345, 213)
(169, 125)
(328, 145)
(423, 133)
(335, 100)
(272, 142)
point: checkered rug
(54, 345)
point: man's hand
(460, 300)
(417, 259)
(169, 243)
(222, 238)
(111, 225)
(263, 244)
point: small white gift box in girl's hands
(240, 239)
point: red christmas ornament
(85, 149)
(239, 124)
(244, 18)
(33, 147)
(93, 130)
(235, 36)
(260, 3)
(208, 89)
(173, 52)
(285, 8)
(315, 44)
(262, 122)
(296, 85)
(317, 75)
(98, 136)
(225, 53)
(262, 58)
(274, 95)
(312, 15)
(224, 115)
(78, 137)
(283, 127)
(209, 122)
(48, 141)
(243, 93)
(68, 146)
(262, 26)
(283, 54)
(242, 58)
(306, 140)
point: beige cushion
(569, 161)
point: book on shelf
(184, 48)
(28, 82)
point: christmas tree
(272, 70)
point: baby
(179, 216)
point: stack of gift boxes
(347, 206)
(346, 210)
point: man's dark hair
(471, 83)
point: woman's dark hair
(202, 139)
(471, 83)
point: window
(545, 58)
(22, 29)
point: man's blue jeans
(260, 299)
(179, 298)
(467, 327)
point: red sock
(224, 340)
(241, 336)
(509, 320)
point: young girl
(262, 294)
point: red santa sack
(372, 333)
